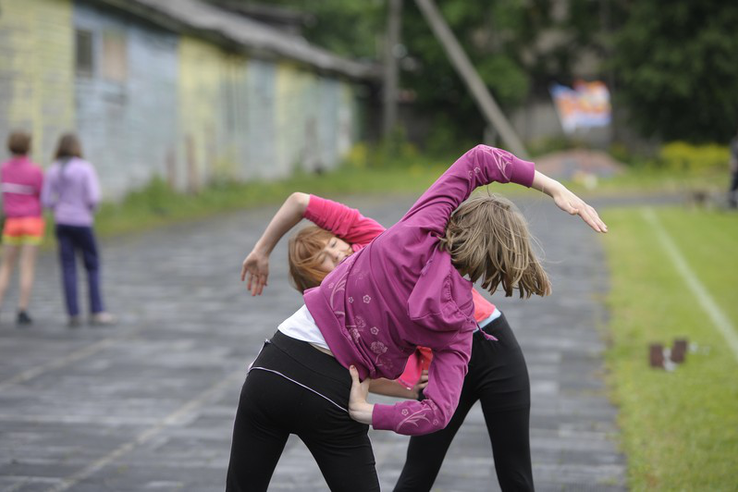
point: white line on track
(149, 433)
(716, 315)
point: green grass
(680, 429)
(643, 180)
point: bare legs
(27, 270)
(10, 258)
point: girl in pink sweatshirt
(407, 288)
(23, 230)
(497, 375)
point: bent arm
(447, 371)
(287, 217)
(483, 165)
(344, 222)
(256, 264)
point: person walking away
(72, 191)
(21, 181)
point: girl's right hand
(359, 409)
(256, 266)
(421, 384)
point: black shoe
(23, 318)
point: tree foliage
(674, 62)
(677, 66)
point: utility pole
(486, 103)
(390, 83)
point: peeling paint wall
(36, 78)
(128, 124)
(150, 102)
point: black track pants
(498, 378)
(293, 388)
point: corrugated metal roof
(252, 36)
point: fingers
(590, 216)
(354, 375)
(259, 283)
(243, 272)
(576, 206)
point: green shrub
(681, 156)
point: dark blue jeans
(72, 239)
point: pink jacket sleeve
(345, 222)
(479, 166)
(445, 379)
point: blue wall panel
(128, 128)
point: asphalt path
(149, 403)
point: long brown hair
(488, 238)
(69, 146)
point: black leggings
(498, 377)
(293, 388)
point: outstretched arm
(568, 201)
(256, 264)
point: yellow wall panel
(38, 63)
(210, 89)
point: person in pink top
(407, 288)
(21, 182)
(497, 374)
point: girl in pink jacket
(407, 288)
(497, 375)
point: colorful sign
(587, 105)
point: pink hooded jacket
(401, 291)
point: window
(83, 52)
(114, 56)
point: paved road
(149, 404)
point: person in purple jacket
(407, 288)
(72, 191)
(24, 225)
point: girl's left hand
(572, 204)
(359, 409)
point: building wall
(261, 94)
(36, 80)
(128, 126)
(152, 102)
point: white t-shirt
(301, 326)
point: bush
(681, 156)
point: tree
(508, 41)
(677, 66)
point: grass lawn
(680, 429)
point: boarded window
(114, 56)
(83, 52)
